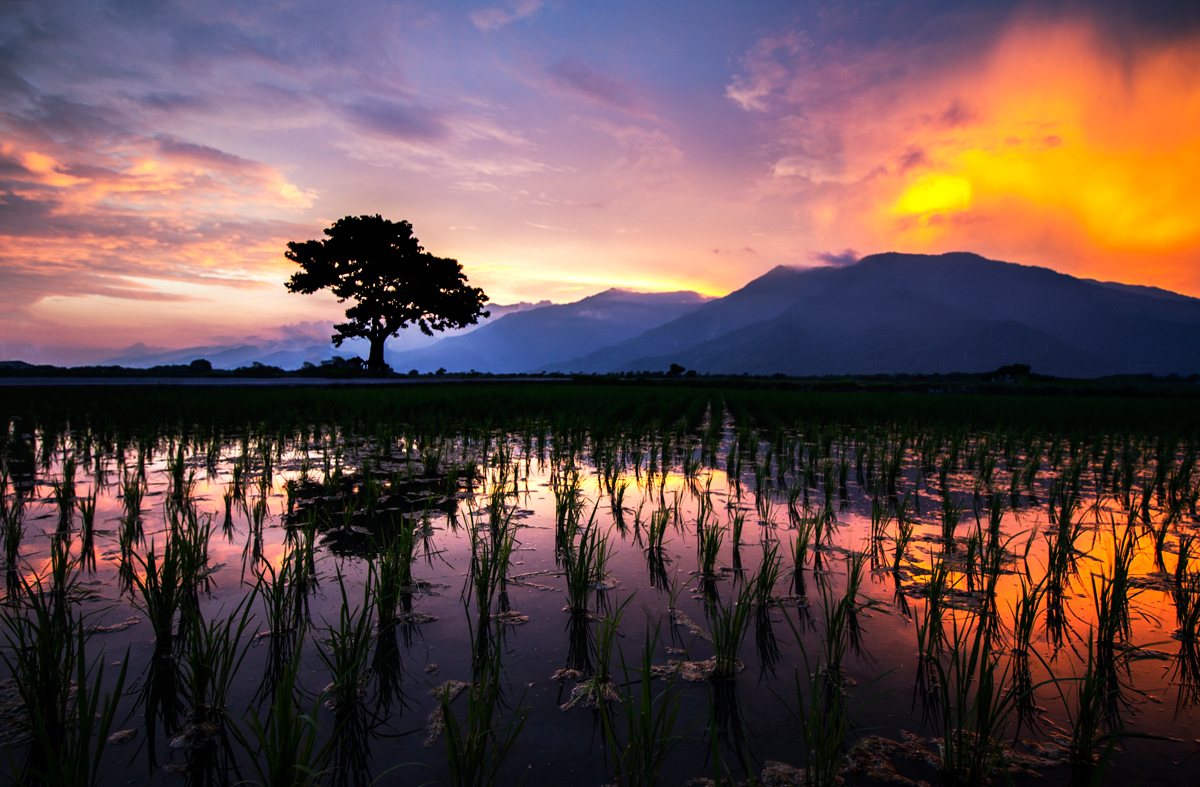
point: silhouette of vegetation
(392, 280)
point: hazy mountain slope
(295, 346)
(767, 296)
(920, 313)
(922, 336)
(527, 340)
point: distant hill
(530, 339)
(911, 313)
(887, 313)
(307, 343)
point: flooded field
(597, 585)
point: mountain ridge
(1016, 314)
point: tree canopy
(392, 280)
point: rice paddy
(564, 583)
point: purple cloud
(574, 75)
(836, 258)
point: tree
(390, 277)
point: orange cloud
(153, 220)
(1072, 156)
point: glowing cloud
(1071, 153)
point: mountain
(295, 345)
(531, 339)
(894, 313)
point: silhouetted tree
(390, 277)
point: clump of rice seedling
(768, 574)
(656, 553)
(1025, 616)
(975, 706)
(929, 631)
(881, 517)
(1186, 593)
(995, 513)
(585, 565)
(161, 586)
(710, 538)
(951, 515)
(1087, 718)
(728, 625)
(64, 492)
(598, 689)
(490, 559)
(213, 654)
(764, 584)
(642, 734)
(46, 656)
(656, 530)
(87, 513)
(841, 619)
(283, 603)
(737, 523)
(182, 480)
(344, 650)
(904, 534)
(805, 526)
(392, 578)
(617, 502)
(477, 746)
(825, 721)
(284, 748)
(12, 527)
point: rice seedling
(391, 576)
(585, 566)
(281, 601)
(1111, 596)
(904, 534)
(12, 528)
(211, 659)
(344, 648)
(285, 749)
(182, 480)
(710, 538)
(1087, 718)
(1025, 615)
(656, 530)
(64, 492)
(976, 706)
(161, 588)
(728, 625)
(69, 737)
(87, 513)
(736, 524)
(617, 501)
(477, 746)
(930, 635)
(825, 721)
(642, 734)
(881, 518)
(951, 515)
(764, 581)
(43, 649)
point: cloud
(400, 121)
(836, 259)
(572, 74)
(1042, 143)
(492, 18)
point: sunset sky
(156, 157)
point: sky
(156, 157)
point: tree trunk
(375, 361)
